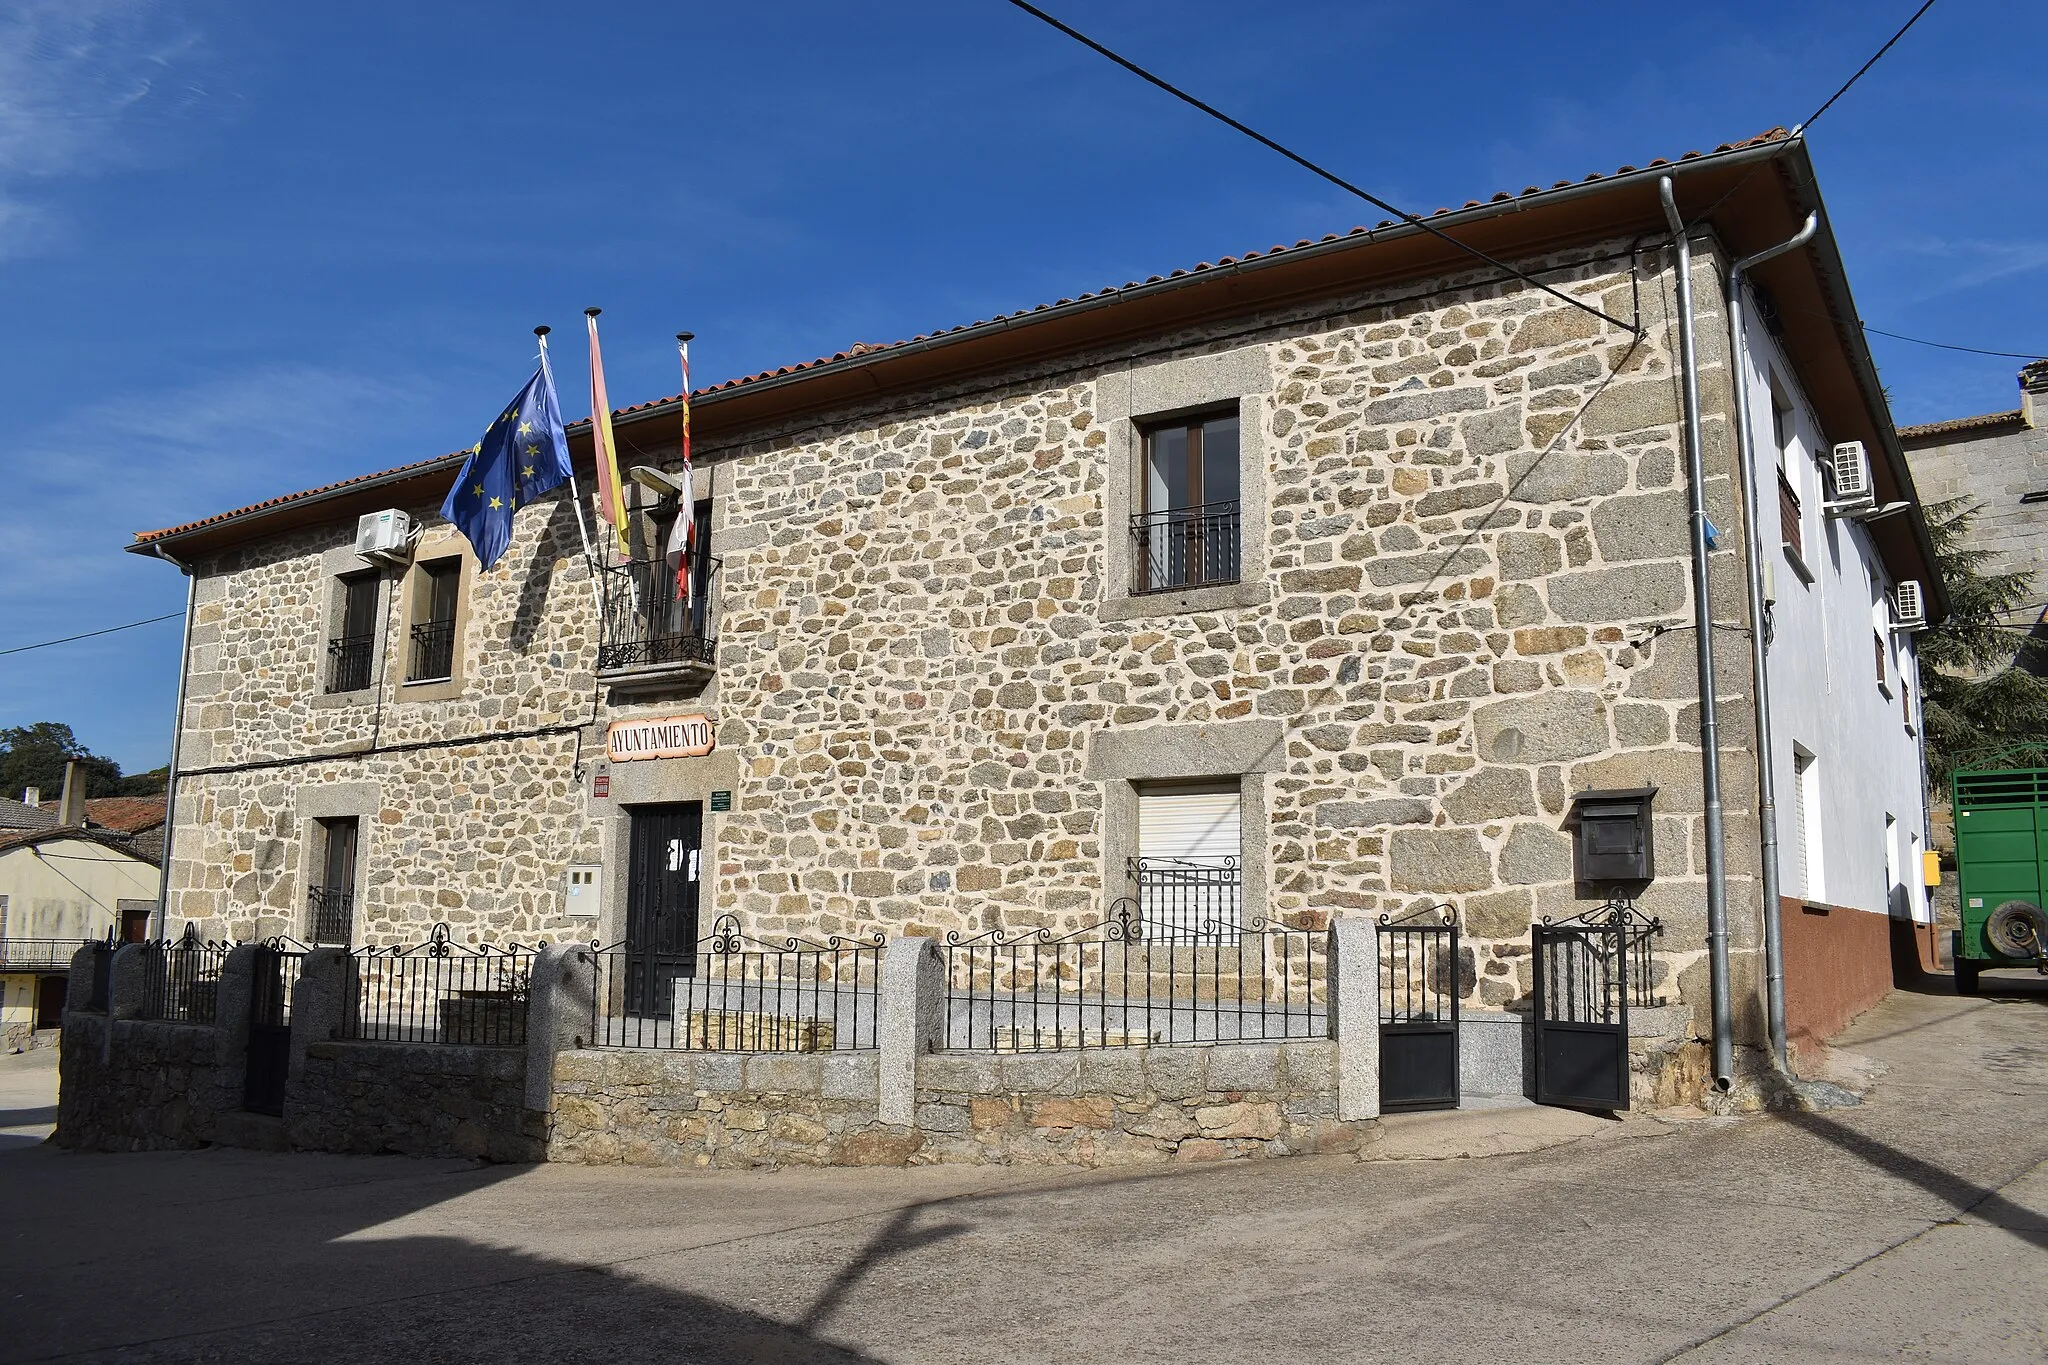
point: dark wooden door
(662, 877)
(50, 992)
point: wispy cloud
(1974, 261)
(78, 79)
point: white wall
(1825, 695)
(69, 888)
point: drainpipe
(1703, 631)
(1759, 672)
(163, 892)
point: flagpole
(575, 496)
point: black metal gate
(1420, 984)
(1589, 969)
(275, 972)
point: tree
(1980, 668)
(35, 755)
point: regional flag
(523, 455)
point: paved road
(1912, 1227)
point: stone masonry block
(1042, 1073)
(1440, 861)
(1543, 728)
(1113, 1071)
(1630, 593)
(1244, 1066)
(1176, 1073)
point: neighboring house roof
(1957, 426)
(19, 815)
(1722, 189)
(122, 814)
(10, 840)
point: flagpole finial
(686, 337)
(592, 312)
(542, 331)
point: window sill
(1798, 564)
(430, 689)
(1187, 601)
(1885, 688)
(329, 701)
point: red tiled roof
(120, 843)
(1961, 424)
(866, 348)
(122, 814)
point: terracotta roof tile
(870, 348)
(1961, 424)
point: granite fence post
(321, 1001)
(1354, 1015)
(231, 1020)
(561, 1005)
(78, 990)
(913, 1021)
(127, 989)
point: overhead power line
(1414, 220)
(1830, 101)
(45, 644)
(1944, 346)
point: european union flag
(523, 455)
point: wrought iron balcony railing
(330, 915)
(1184, 547)
(348, 662)
(38, 954)
(648, 629)
(433, 652)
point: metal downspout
(163, 890)
(1703, 631)
(1760, 678)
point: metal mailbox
(1612, 843)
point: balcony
(330, 916)
(648, 637)
(433, 652)
(1184, 547)
(38, 954)
(348, 662)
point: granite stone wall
(161, 1086)
(1473, 601)
(422, 1099)
(1114, 1106)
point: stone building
(1311, 581)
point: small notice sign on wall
(721, 801)
(667, 737)
(601, 782)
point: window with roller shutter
(1189, 864)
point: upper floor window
(349, 651)
(660, 617)
(1185, 533)
(436, 590)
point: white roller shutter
(1188, 848)
(1183, 824)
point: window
(1883, 679)
(1790, 526)
(1185, 532)
(650, 625)
(1189, 868)
(435, 591)
(1806, 823)
(348, 652)
(330, 902)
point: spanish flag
(611, 493)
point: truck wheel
(2017, 929)
(1966, 976)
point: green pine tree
(1980, 669)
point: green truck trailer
(2001, 815)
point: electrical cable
(1799, 129)
(45, 644)
(1412, 219)
(1945, 346)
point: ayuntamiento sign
(666, 737)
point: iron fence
(348, 662)
(433, 651)
(1421, 974)
(330, 914)
(647, 623)
(734, 993)
(1184, 547)
(1113, 984)
(181, 978)
(102, 973)
(440, 991)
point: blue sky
(250, 248)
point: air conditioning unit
(1909, 606)
(386, 536)
(1849, 471)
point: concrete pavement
(1913, 1226)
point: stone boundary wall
(419, 1099)
(1103, 1107)
(157, 1087)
